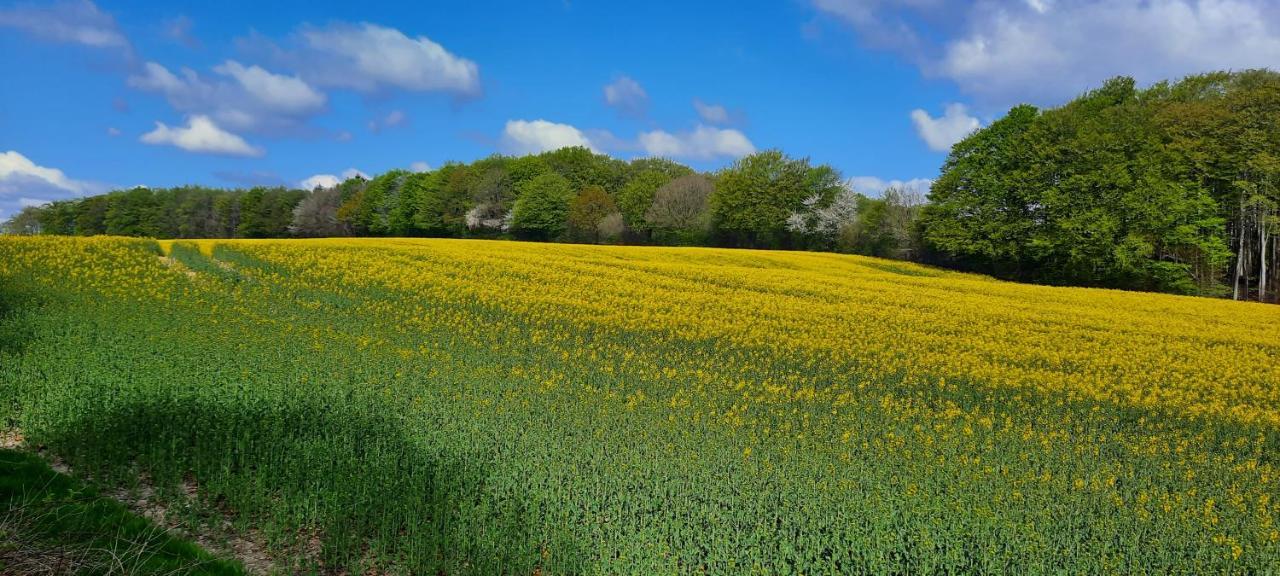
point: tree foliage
(586, 211)
(681, 209)
(542, 211)
(1094, 193)
(755, 196)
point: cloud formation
(200, 135)
(1047, 51)
(943, 132)
(701, 143)
(73, 22)
(534, 136)
(287, 94)
(329, 180)
(25, 183)
(372, 59)
(627, 96)
(280, 98)
(243, 98)
(18, 174)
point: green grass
(51, 523)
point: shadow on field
(16, 307)
(308, 471)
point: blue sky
(115, 94)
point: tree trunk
(1236, 279)
(1262, 249)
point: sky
(114, 94)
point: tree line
(1170, 188)
(765, 200)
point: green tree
(1085, 194)
(444, 197)
(586, 211)
(542, 210)
(755, 196)
(132, 213)
(25, 223)
(636, 196)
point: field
(485, 407)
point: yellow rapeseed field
(593, 409)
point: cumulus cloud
(371, 58)
(113, 131)
(24, 183)
(73, 22)
(627, 96)
(534, 136)
(874, 187)
(1052, 50)
(244, 98)
(942, 132)
(288, 94)
(330, 180)
(701, 143)
(19, 174)
(201, 135)
(420, 166)
(319, 181)
(1047, 51)
(711, 113)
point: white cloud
(329, 180)
(627, 96)
(157, 78)
(200, 135)
(319, 181)
(75, 22)
(702, 143)
(711, 113)
(942, 132)
(24, 183)
(534, 136)
(420, 166)
(1056, 50)
(874, 187)
(1046, 51)
(253, 99)
(372, 58)
(879, 23)
(113, 131)
(282, 93)
(19, 174)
